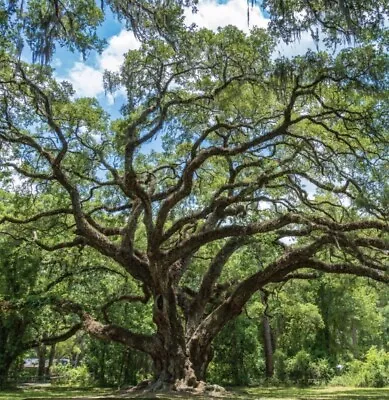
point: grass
(327, 393)
(254, 393)
(48, 392)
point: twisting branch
(53, 339)
(145, 343)
(124, 298)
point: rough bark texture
(41, 353)
(5, 365)
(51, 359)
(11, 332)
(267, 346)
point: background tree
(23, 305)
(30, 280)
(342, 319)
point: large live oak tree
(243, 138)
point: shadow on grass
(328, 393)
(254, 393)
(51, 392)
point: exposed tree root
(152, 389)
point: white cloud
(288, 240)
(113, 56)
(309, 187)
(87, 80)
(297, 48)
(345, 201)
(212, 15)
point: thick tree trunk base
(153, 388)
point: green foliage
(295, 311)
(42, 25)
(302, 369)
(350, 317)
(372, 371)
(360, 20)
(111, 364)
(354, 306)
(237, 354)
(280, 359)
(298, 368)
(321, 371)
(72, 376)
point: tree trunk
(41, 352)
(201, 355)
(180, 367)
(354, 338)
(5, 365)
(267, 346)
(51, 359)
(172, 364)
(174, 371)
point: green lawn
(329, 393)
(52, 393)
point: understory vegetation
(347, 347)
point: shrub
(321, 371)
(298, 368)
(373, 371)
(67, 375)
(280, 366)
(302, 369)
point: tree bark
(10, 347)
(267, 346)
(201, 355)
(5, 365)
(41, 353)
(51, 359)
(172, 362)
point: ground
(257, 393)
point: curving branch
(146, 343)
(53, 339)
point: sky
(86, 76)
